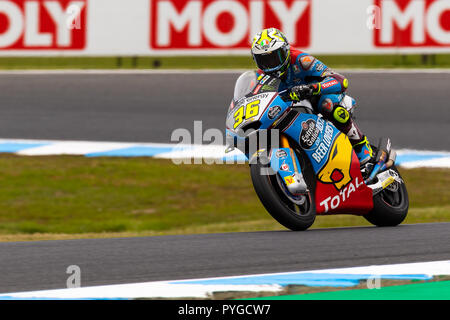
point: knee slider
(341, 115)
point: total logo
(412, 23)
(344, 194)
(329, 84)
(225, 24)
(41, 24)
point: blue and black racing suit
(326, 92)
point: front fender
(285, 163)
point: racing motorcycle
(302, 166)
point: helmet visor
(271, 61)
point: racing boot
(363, 150)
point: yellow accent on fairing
(387, 182)
(289, 180)
(251, 110)
(238, 117)
(340, 158)
(257, 153)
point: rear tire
(281, 208)
(389, 208)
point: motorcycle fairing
(340, 187)
(282, 162)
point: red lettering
(413, 23)
(208, 24)
(42, 24)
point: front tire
(389, 207)
(293, 216)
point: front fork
(285, 163)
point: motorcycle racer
(309, 79)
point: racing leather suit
(327, 91)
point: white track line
(179, 289)
(207, 154)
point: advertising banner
(217, 27)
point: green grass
(69, 196)
(218, 62)
(420, 291)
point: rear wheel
(295, 214)
(390, 206)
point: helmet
(271, 51)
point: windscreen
(245, 84)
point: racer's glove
(305, 91)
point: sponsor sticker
(326, 73)
(273, 112)
(285, 167)
(387, 182)
(329, 84)
(306, 62)
(258, 87)
(289, 180)
(309, 134)
(264, 80)
(324, 145)
(281, 154)
(337, 200)
(272, 85)
(319, 67)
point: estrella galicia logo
(273, 112)
(309, 134)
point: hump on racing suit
(328, 96)
(306, 69)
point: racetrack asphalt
(39, 265)
(411, 108)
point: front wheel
(390, 206)
(297, 216)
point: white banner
(203, 27)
